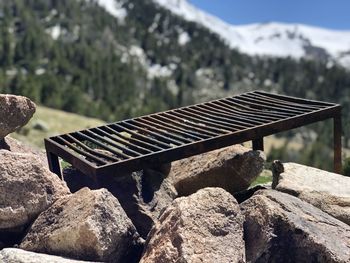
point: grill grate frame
(149, 140)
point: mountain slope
(273, 39)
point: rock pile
(144, 194)
(185, 212)
(39, 213)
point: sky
(334, 14)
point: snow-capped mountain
(271, 39)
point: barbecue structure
(163, 137)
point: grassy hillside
(48, 122)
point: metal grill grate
(146, 141)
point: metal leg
(337, 144)
(258, 144)
(54, 164)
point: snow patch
(157, 70)
(55, 31)
(114, 7)
(183, 38)
(153, 70)
(40, 71)
(138, 52)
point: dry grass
(52, 122)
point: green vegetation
(99, 66)
(316, 154)
(346, 167)
(264, 178)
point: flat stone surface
(232, 168)
(328, 191)
(204, 227)
(282, 228)
(15, 255)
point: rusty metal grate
(149, 140)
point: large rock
(15, 112)
(233, 168)
(142, 194)
(26, 189)
(15, 255)
(328, 191)
(89, 225)
(204, 227)
(128, 189)
(282, 228)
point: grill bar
(204, 122)
(80, 151)
(162, 131)
(244, 113)
(123, 151)
(201, 116)
(257, 107)
(149, 140)
(133, 141)
(219, 119)
(143, 137)
(270, 105)
(296, 100)
(182, 127)
(235, 117)
(170, 128)
(285, 103)
(117, 139)
(158, 135)
(192, 125)
(92, 151)
(102, 145)
(250, 111)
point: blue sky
(333, 14)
